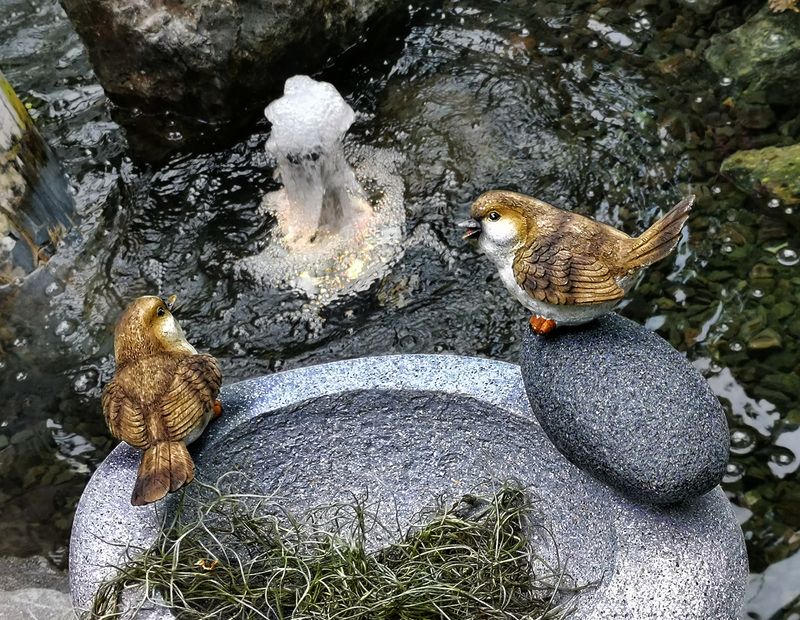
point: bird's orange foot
(217, 409)
(541, 325)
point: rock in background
(762, 56)
(771, 171)
(761, 59)
(185, 72)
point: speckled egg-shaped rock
(619, 402)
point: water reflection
(527, 96)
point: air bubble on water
(733, 472)
(698, 100)
(714, 367)
(736, 346)
(525, 32)
(51, 289)
(174, 136)
(782, 458)
(727, 248)
(20, 342)
(593, 43)
(65, 328)
(741, 440)
(21, 376)
(774, 203)
(788, 257)
(716, 189)
(775, 38)
(757, 293)
(726, 81)
(788, 210)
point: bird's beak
(171, 302)
(473, 227)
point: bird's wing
(557, 276)
(124, 418)
(191, 395)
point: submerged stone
(772, 171)
(619, 402)
(762, 55)
(764, 340)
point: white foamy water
(321, 192)
(339, 224)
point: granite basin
(410, 428)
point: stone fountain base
(410, 428)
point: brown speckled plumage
(560, 258)
(162, 396)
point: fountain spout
(339, 228)
(321, 195)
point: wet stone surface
(619, 402)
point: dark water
(604, 107)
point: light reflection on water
(547, 98)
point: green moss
(772, 171)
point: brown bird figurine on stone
(565, 268)
(162, 396)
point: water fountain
(321, 195)
(338, 225)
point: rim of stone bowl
(685, 561)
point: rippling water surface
(599, 106)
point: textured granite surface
(32, 588)
(407, 428)
(621, 403)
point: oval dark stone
(619, 402)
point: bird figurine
(565, 268)
(162, 396)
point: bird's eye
(494, 216)
(161, 311)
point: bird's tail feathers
(166, 466)
(661, 238)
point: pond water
(604, 107)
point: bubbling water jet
(321, 193)
(340, 212)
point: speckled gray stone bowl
(409, 428)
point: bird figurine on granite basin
(565, 268)
(162, 396)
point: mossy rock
(762, 56)
(773, 171)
